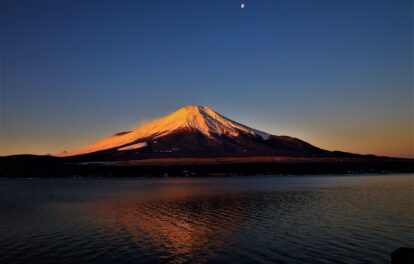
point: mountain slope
(197, 131)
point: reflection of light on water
(183, 228)
(228, 220)
(207, 220)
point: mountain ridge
(197, 131)
(200, 118)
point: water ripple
(276, 219)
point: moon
(242, 5)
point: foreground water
(326, 219)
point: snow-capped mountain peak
(207, 121)
(199, 118)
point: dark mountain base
(45, 167)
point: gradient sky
(336, 73)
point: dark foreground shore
(26, 166)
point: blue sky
(335, 73)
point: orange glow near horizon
(381, 142)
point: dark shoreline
(51, 167)
(213, 177)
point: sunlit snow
(200, 118)
(134, 146)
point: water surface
(306, 219)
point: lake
(281, 219)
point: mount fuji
(197, 131)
